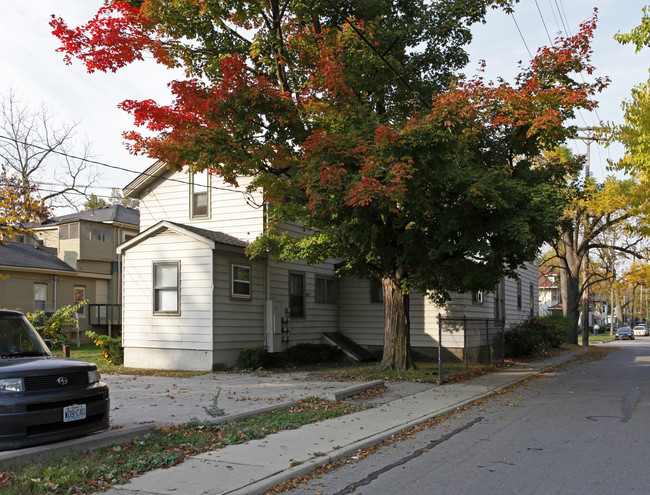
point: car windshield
(18, 338)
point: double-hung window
(241, 281)
(376, 291)
(200, 195)
(325, 290)
(297, 295)
(40, 297)
(165, 287)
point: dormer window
(200, 195)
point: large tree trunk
(571, 276)
(572, 306)
(397, 339)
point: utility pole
(587, 139)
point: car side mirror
(48, 343)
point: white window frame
(43, 300)
(195, 192)
(159, 288)
(238, 282)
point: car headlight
(12, 385)
(93, 377)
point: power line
(543, 22)
(246, 195)
(512, 14)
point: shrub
(529, 338)
(253, 358)
(559, 326)
(111, 347)
(311, 353)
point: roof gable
(146, 178)
(209, 237)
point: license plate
(74, 413)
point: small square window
(241, 281)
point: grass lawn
(603, 337)
(426, 372)
(90, 352)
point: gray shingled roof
(218, 237)
(27, 256)
(111, 213)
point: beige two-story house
(68, 259)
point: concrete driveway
(138, 403)
(163, 400)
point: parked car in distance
(640, 330)
(44, 398)
(624, 333)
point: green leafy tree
(353, 121)
(93, 202)
(634, 133)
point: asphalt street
(582, 429)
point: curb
(12, 458)
(353, 390)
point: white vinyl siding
(319, 317)
(238, 322)
(514, 314)
(192, 329)
(232, 210)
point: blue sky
(36, 71)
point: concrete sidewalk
(256, 466)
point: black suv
(44, 398)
